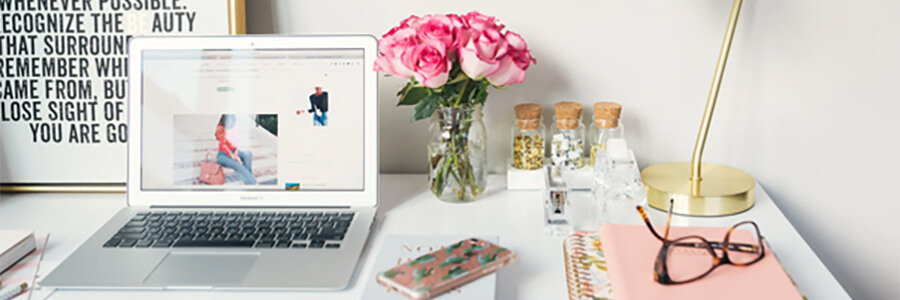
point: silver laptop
(252, 163)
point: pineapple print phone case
(437, 272)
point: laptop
(252, 164)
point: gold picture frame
(236, 25)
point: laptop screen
(273, 119)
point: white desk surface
(407, 207)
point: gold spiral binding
(578, 278)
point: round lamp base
(722, 191)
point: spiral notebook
(631, 251)
(586, 273)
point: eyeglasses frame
(660, 269)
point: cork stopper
(528, 116)
(567, 114)
(606, 114)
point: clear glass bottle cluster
(616, 181)
(568, 139)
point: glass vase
(457, 153)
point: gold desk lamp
(722, 190)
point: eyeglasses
(689, 258)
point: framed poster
(63, 84)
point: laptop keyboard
(165, 229)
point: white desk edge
(407, 207)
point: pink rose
(427, 48)
(399, 41)
(391, 47)
(409, 21)
(479, 22)
(458, 21)
(406, 23)
(515, 41)
(481, 54)
(513, 65)
(429, 63)
(439, 27)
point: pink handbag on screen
(211, 172)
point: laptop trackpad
(202, 269)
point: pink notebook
(631, 252)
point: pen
(12, 291)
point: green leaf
(413, 95)
(481, 96)
(404, 89)
(425, 107)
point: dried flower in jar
(528, 151)
(567, 150)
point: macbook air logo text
(251, 198)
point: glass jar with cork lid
(528, 137)
(606, 126)
(567, 140)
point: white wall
(809, 103)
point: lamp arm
(711, 98)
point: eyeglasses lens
(744, 245)
(688, 258)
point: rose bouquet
(450, 61)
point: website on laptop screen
(252, 120)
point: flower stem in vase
(453, 154)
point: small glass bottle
(606, 126)
(567, 140)
(528, 138)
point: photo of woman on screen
(241, 161)
(215, 149)
(318, 102)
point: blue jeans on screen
(244, 171)
(320, 120)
